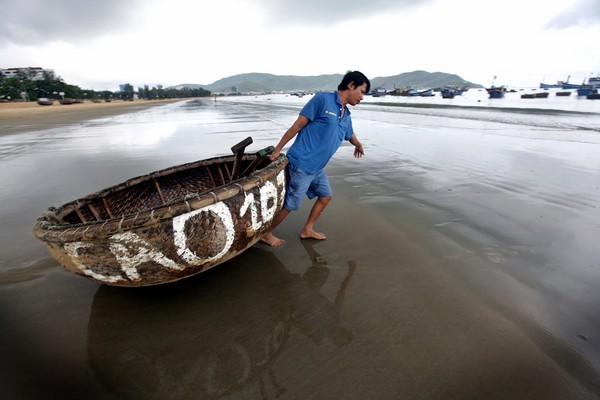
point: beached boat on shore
(169, 224)
(44, 101)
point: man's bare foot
(311, 234)
(272, 240)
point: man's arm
(289, 135)
(358, 148)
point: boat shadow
(212, 335)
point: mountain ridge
(265, 82)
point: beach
(26, 116)
(460, 262)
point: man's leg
(308, 231)
(271, 239)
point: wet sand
(18, 117)
(455, 266)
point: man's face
(356, 93)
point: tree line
(26, 87)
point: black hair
(354, 76)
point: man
(321, 126)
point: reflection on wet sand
(312, 313)
(214, 336)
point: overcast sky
(99, 44)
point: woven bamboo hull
(167, 225)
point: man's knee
(325, 200)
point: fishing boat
(584, 90)
(44, 101)
(169, 224)
(542, 95)
(408, 92)
(448, 93)
(380, 92)
(594, 95)
(496, 92)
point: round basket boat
(169, 224)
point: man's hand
(358, 151)
(273, 156)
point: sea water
(464, 244)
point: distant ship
(557, 85)
(593, 81)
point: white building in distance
(33, 73)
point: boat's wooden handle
(238, 150)
(241, 146)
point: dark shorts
(301, 183)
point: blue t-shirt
(318, 141)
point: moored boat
(541, 95)
(169, 224)
(448, 93)
(584, 90)
(563, 93)
(380, 92)
(496, 92)
(406, 92)
(594, 95)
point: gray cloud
(37, 21)
(30, 22)
(582, 13)
(329, 12)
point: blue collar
(339, 101)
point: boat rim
(48, 227)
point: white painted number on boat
(221, 210)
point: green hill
(421, 79)
(259, 82)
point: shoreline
(18, 117)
